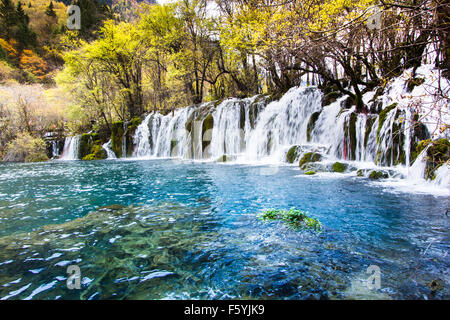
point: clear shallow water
(189, 230)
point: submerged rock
(123, 252)
(111, 208)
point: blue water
(190, 230)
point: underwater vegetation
(295, 218)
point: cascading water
(71, 148)
(253, 131)
(55, 149)
(267, 135)
(282, 124)
(107, 146)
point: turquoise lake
(169, 229)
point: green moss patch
(296, 219)
(378, 174)
(438, 153)
(339, 167)
(98, 153)
(292, 154)
(309, 157)
(117, 134)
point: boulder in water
(316, 167)
(98, 153)
(378, 174)
(339, 167)
(293, 154)
(309, 157)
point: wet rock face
(311, 124)
(437, 154)
(309, 157)
(91, 147)
(373, 174)
(129, 135)
(54, 143)
(113, 246)
(293, 154)
(117, 133)
(339, 167)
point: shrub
(25, 148)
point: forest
(134, 57)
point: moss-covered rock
(309, 157)
(350, 135)
(310, 173)
(378, 174)
(361, 172)
(316, 167)
(117, 135)
(339, 167)
(438, 153)
(98, 153)
(226, 158)
(293, 154)
(208, 124)
(91, 147)
(86, 143)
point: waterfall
(55, 149)
(282, 124)
(163, 136)
(109, 152)
(71, 148)
(329, 129)
(253, 130)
